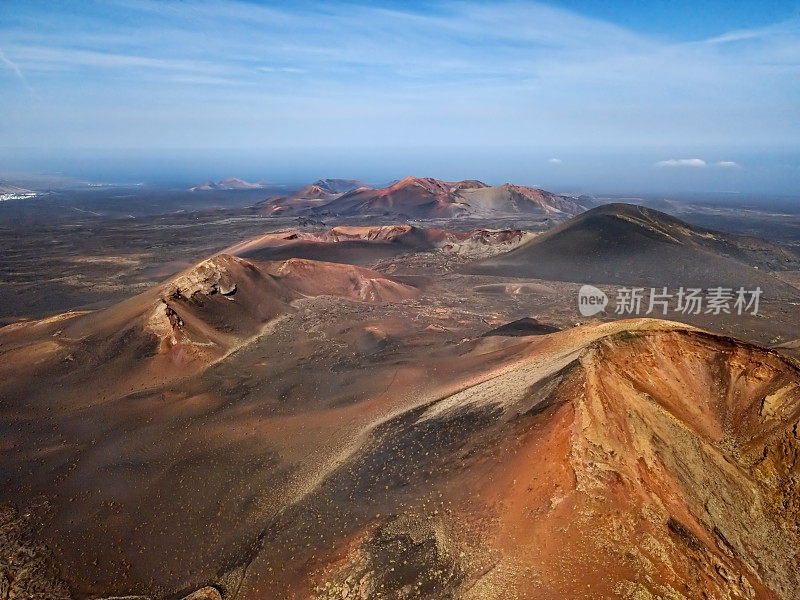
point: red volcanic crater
(193, 319)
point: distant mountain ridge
(421, 198)
(338, 186)
(431, 198)
(231, 183)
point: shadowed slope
(523, 327)
(627, 244)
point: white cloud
(682, 162)
(727, 164)
(554, 161)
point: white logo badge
(591, 300)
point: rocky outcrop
(27, 567)
(206, 593)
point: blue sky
(625, 96)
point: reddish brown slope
(634, 459)
(628, 460)
(367, 245)
(430, 198)
(412, 196)
(183, 325)
(309, 197)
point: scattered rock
(206, 593)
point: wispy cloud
(771, 32)
(44, 56)
(682, 162)
(554, 161)
(266, 69)
(17, 71)
(11, 65)
(696, 163)
(300, 73)
(736, 36)
(205, 80)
